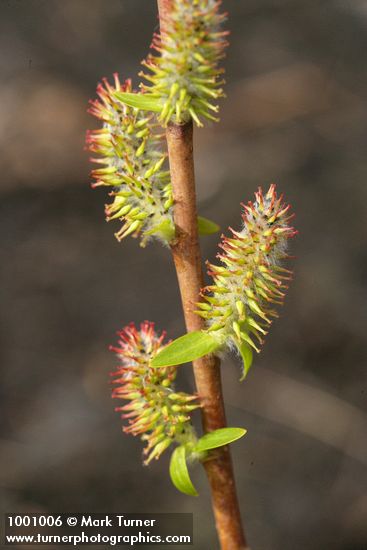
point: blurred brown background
(295, 114)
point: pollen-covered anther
(238, 306)
(154, 410)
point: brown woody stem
(188, 263)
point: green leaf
(179, 473)
(165, 229)
(207, 227)
(246, 354)
(218, 438)
(188, 347)
(139, 101)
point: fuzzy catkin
(185, 75)
(250, 281)
(154, 410)
(131, 158)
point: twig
(188, 263)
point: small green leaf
(246, 354)
(179, 473)
(165, 229)
(188, 347)
(207, 227)
(139, 101)
(218, 438)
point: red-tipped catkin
(251, 279)
(185, 76)
(131, 161)
(153, 410)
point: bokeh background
(295, 114)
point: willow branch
(188, 263)
(187, 259)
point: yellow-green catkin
(251, 279)
(154, 410)
(184, 75)
(131, 162)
